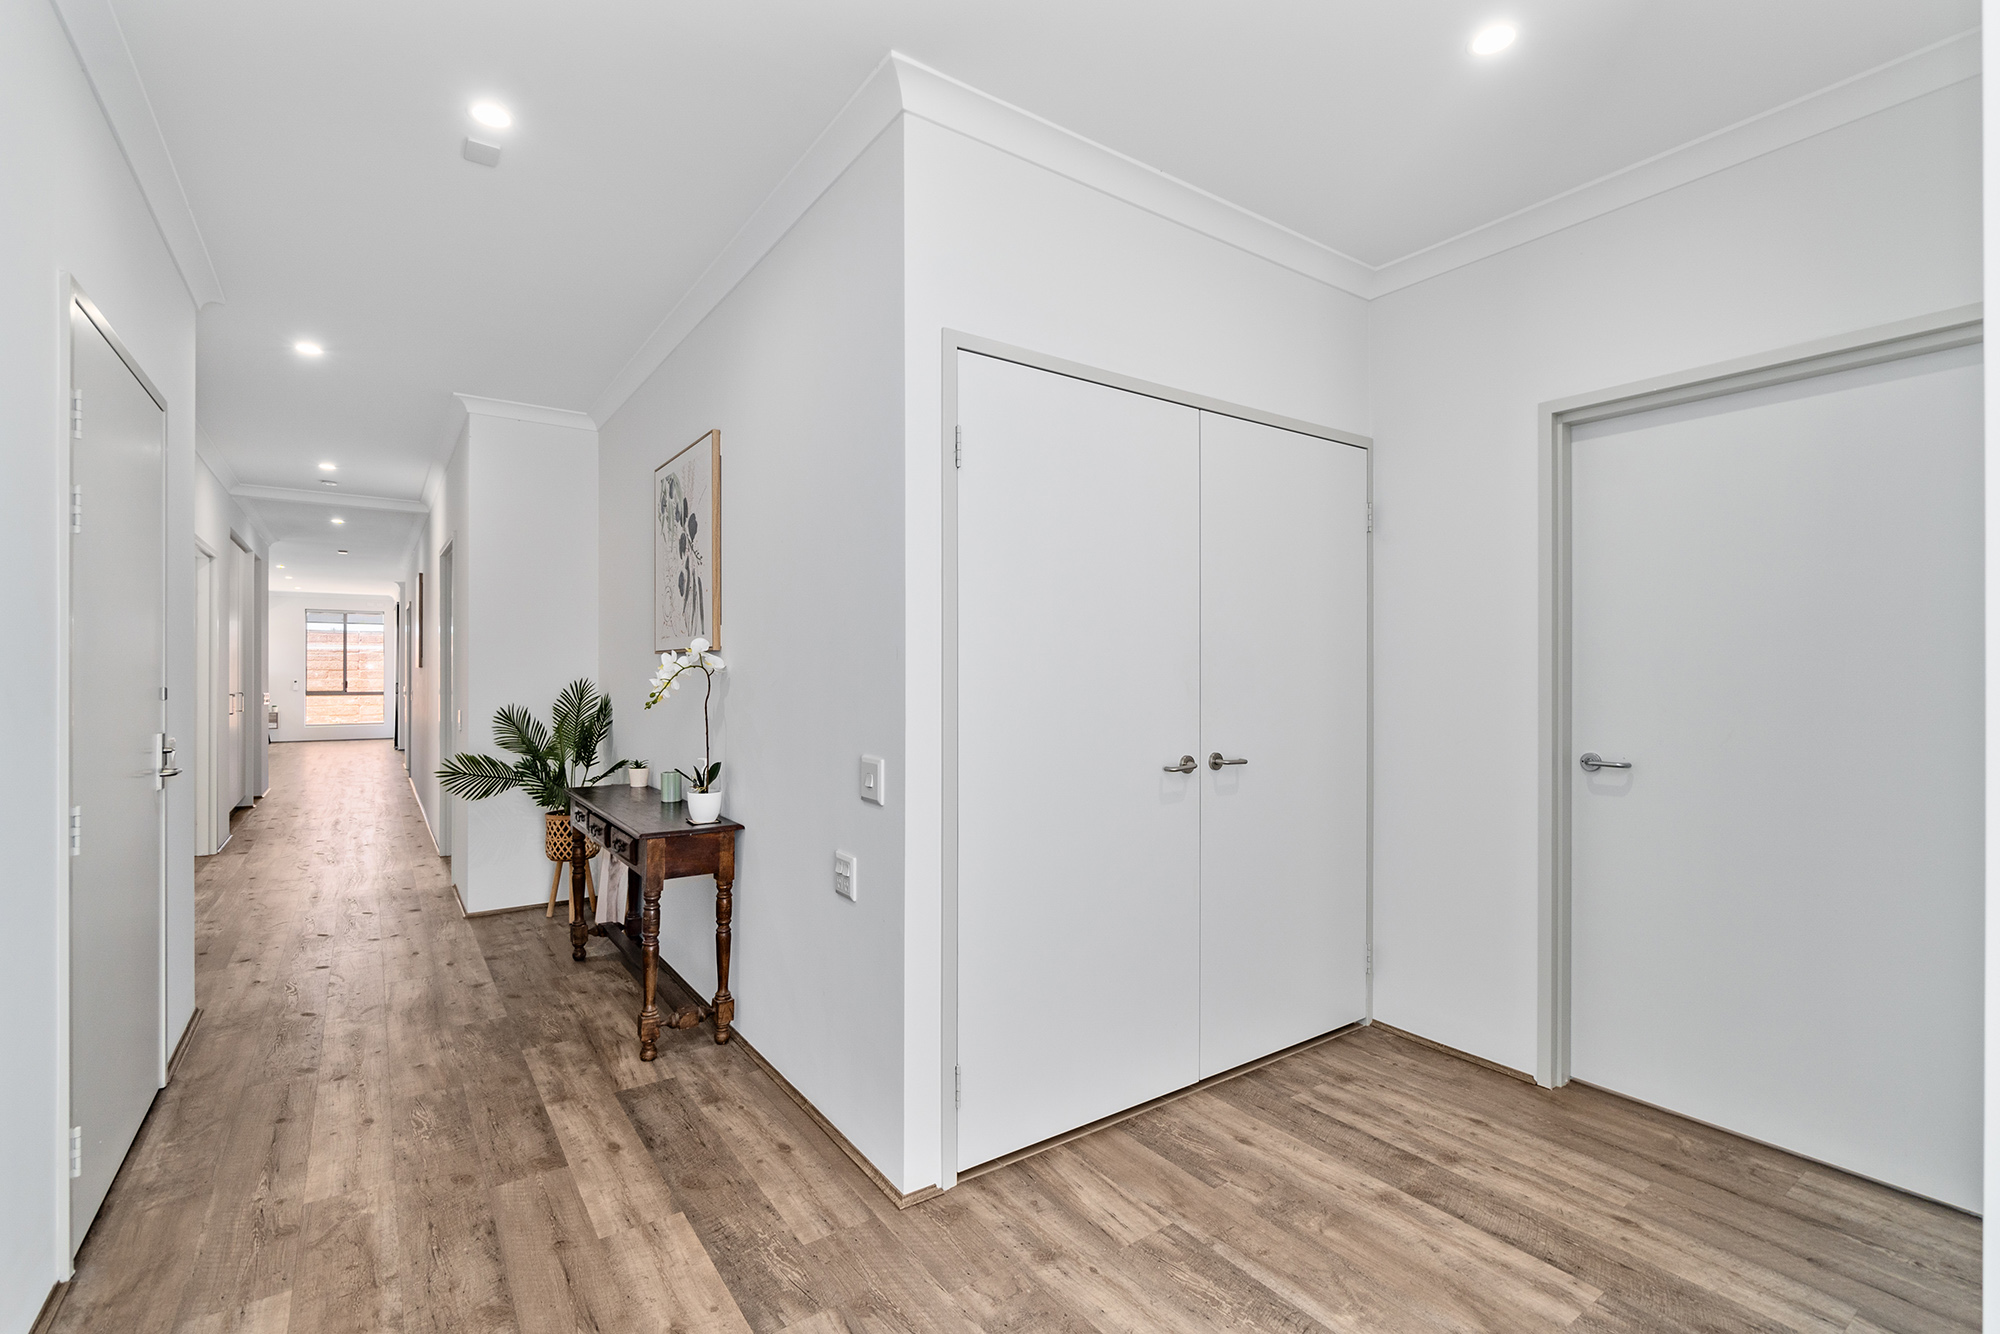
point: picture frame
(420, 618)
(687, 546)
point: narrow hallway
(355, 1139)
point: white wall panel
(69, 204)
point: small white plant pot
(639, 777)
(704, 807)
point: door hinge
(76, 509)
(958, 1086)
(1369, 966)
(1371, 516)
(76, 414)
(76, 1151)
(958, 446)
(76, 831)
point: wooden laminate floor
(393, 1118)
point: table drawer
(578, 820)
(622, 845)
(596, 828)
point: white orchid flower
(697, 645)
(713, 661)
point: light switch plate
(846, 875)
(875, 780)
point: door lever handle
(1186, 766)
(1592, 762)
(170, 772)
(1215, 760)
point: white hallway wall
(443, 526)
(69, 205)
(527, 626)
(218, 518)
(800, 369)
(286, 653)
(515, 503)
(1990, 140)
(1876, 221)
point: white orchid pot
(704, 807)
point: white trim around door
(952, 343)
(1937, 332)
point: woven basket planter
(560, 841)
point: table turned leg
(649, 942)
(579, 920)
(724, 1004)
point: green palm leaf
(477, 777)
(582, 717)
(521, 733)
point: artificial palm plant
(551, 761)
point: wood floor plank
(662, 1269)
(395, 1118)
(620, 1184)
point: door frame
(952, 343)
(1939, 331)
(447, 669)
(204, 701)
(70, 293)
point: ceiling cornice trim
(476, 406)
(954, 105)
(871, 110)
(343, 499)
(901, 86)
(99, 43)
(1905, 79)
(211, 459)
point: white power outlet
(846, 876)
(875, 779)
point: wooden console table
(659, 843)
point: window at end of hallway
(344, 668)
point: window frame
(326, 615)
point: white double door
(1146, 592)
(1776, 918)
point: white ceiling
(318, 146)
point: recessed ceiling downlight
(339, 521)
(327, 467)
(492, 114)
(1493, 38)
(306, 348)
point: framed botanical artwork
(420, 618)
(687, 547)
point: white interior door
(1078, 644)
(1776, 916)
(116, 712)
(448, 730)
(1284, 686)
(234, 775)
(205, 838)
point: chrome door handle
(170, 772)
(1592, 762)
(1186, 766)
(1215, 760)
